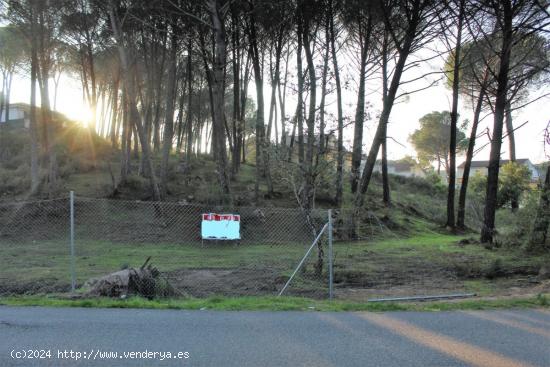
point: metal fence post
(71, 243)
(330, 268)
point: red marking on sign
(220, 217)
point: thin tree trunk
(539, 235)
(48, 128)
(169, 119)
(340, 157)
(383, 120)
(357, 148)
(299, 109)
(131, 95)
(308, 169)
(237, 140)
(189, 115)
(114, 120)
(386, 196)
(454, 120)
(512, 147)
(261, 156)
(125, 140)
(218, 74)
(33, 128)
(461, 214)
(488, 228)
(322, 143)
(8, 93)
(282, 100)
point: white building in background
(398, 168)
(481, 167)
(18, 115)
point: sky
(403, 121)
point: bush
(13, 182)
(513, 182)
(430, 185)
(514, 228)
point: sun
(77, 110)
(85, 116)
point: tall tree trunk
(357, 148)
(135, 118)
(488, 227)
(48, 128)
(158, 94)
(539, 235)
(244, 93)
(218, 74)
(170, 106)
(386, 196)
(282, 100)
(299, 108)
(454, 120)
(340, 156)
(322, 143)
(33, 128)
(261, 156)
(189, 115)
(308, 169)
(114, 119)
(237, 139)
(461, 214)
(8, 93)
(384, 118)
(512, 146)
(125, 143)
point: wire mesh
(376, 257)
(114, 238)
(34, 247)
(155, 249)
(123, 234)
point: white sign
(221, 226)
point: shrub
(513, 182)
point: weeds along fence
(39, 257)
(112, 235)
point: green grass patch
(276, 304)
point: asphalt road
(496, 338)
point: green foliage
(528, 62)
(431, 141)
(12, 50)
(477, 183)
(515, 227)
(513, 182)
(435, 180)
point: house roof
(398, 166)
(21, 106)
(485, 164)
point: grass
(32, 261)
(277, 304)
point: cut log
(144, 281)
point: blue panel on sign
(220, 226)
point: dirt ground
(251, 282)
(234, 282)
(509, 287)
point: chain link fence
(375, 257)
(156, 249)
(34, 247)
(113, 236)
